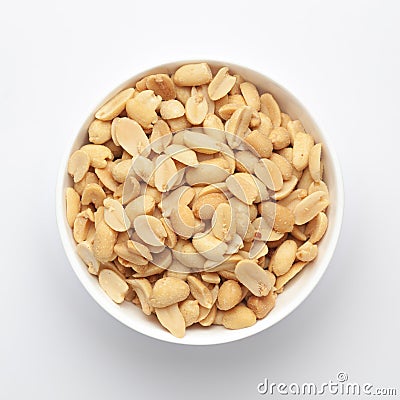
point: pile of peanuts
(196, 198)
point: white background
(59, 58)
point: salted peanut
(280, 217)
(283, 164)
(210, 277)
(229, 275)
(285, 119)
(201, 143)
(73, 205)
(127, 253)
(187, 255)
(280, 138)
(209, 246)
(114, 106)
(251, 95)
(78, 165)
(183, 93)
(287, 153)
(228, 109)
(196, 108)
(221, 84)
(260, 143)
(151, 191)
(210, 317)
(178, 124)
(303, 142)
(243, 187)
(239, 122)
(182, 195)
(82, 225)
(256, 279)
(140, 85)
(315, 162)
(130, 190)
(309, 207)
(114, 286)
(204, 206)
(287, 189)
(238, 317)
(190, 311)
(307, 252)
(245, 161)
(228, 264)
(162, 85)
(293, 198)
(115, 216)
(229, 295)
(120, 170)
(131, 137)
(144, 169)
(213, 121)
(171, 109)
(270, 107)
(293, 128)
(255, 121)
(142, 108)
(99, 131)
(200, 292)
(139, 249)
(183, 221)
(219, 103)
(172, 319)
(85, 252)
(93, 193)
(282, 280)
(318, 186)
(298, 233)
(283, 258)
(228, 155)
(223, 223)
(269, 174)
(165, 175)
(160, 136)
(274, 236)
(257, 250)
(237, 99)
(261, 306)
(316, 228)
(265, 125)
(207, 172)
(236, 87)
(215, 188)
(193, 75)
(90, 177)
(105, 176)
(167, 291)
(306, 179)
(98, 154)
(143, 289)
(170, 239)
(273, 244)
(150, 230)
(182, 154)
(262, 229)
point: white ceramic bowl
(295, 292)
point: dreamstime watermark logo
(338, 386)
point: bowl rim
(69, 247)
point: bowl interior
(294, 292)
